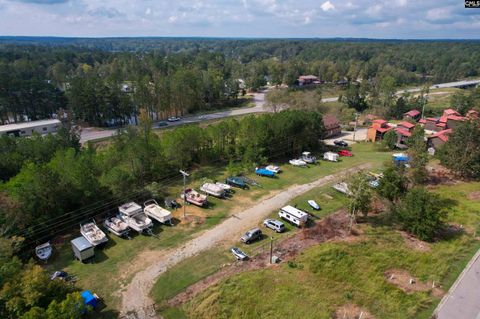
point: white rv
(293, 215)
(330, 156)
(28, 128)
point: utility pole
(185, 175)
(271, 249)
(355, 128)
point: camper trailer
(293, 215)
(330, 156)
(82, 249)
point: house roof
(330, 121)
(412, 113)
(384, 129)
(403, 132)
(472, 113)
(379, 121)
(448, 112)
(442, 124)
(308, 77)
(422, 121)
(456, 118)
(443, 119)
(432, 119)
(406, 124)
(443, 135)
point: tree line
(107, 82)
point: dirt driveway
(135, 296)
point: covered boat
(133, 215)
(44, 251)
(155, 211)
(213, 189)
(298, 162)
(273, 168)
(194, 197)
(116, 226)
(313, 204)
(236, 181)
(226, 187)
(342, 188)
(93, 233)
(308, 158)
(264, 172)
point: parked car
(173, 119)
(162, 123)
(341, 143)
(264, 172)
(345, 153)
(274, 224)
(171, 203)
(238, 253)
(251, 235)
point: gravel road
(135, 296)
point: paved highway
(90, 134)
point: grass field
(107, 275)
(330, 275)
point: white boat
(308, 158)
(155, 211)
(44, 251)
(313, 204)
(133, 215)
(342, 188)
(226, 187)
(92, 233)
(213, 189)
(116, 226)
(194, 197)
(273, 169)
(330, 156)
(298, 162)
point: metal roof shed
(82, 249)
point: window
(44, 129)
(23, 132)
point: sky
(400, 19)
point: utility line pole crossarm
(185, 175)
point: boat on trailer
(116, 226)
(213, 189)
(313, 204)
(93, 233)
(155, 211)
(44, 251)
(133, 215)
(194, 197)
(273, 168)
(226, 187)
(298, 162)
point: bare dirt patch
(415, 243)
(331, 228)
(351, 311)
(406, 282)
(439, 175)
(474, 195)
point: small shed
(330, 156)
(89, 299)
(82, 249)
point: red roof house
(412, 115)
(438, 139)
(378, 130)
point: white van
(293, 215)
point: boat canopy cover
(81, 243)
(89, 299)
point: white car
(298, 162)
(173, 119)
(240, 255)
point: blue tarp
(89, 298)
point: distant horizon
(265, 19)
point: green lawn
(330, 275)
(107, 275)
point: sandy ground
(135, 296)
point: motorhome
(293, 215)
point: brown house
(332, 125)
(378, 130)
(404, 131)
(413, 115)
(308, 80)
(438, 139)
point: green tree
(418, 156)
(354, 98)
(361, 195)
(390, 139)
(393, 185)
(461, 153)
(422, 213)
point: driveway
(462, 300)
(135, 296)
(360, 136)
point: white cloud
(327, 6)
(172, 19)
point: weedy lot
(329, 276)
(116, 264)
